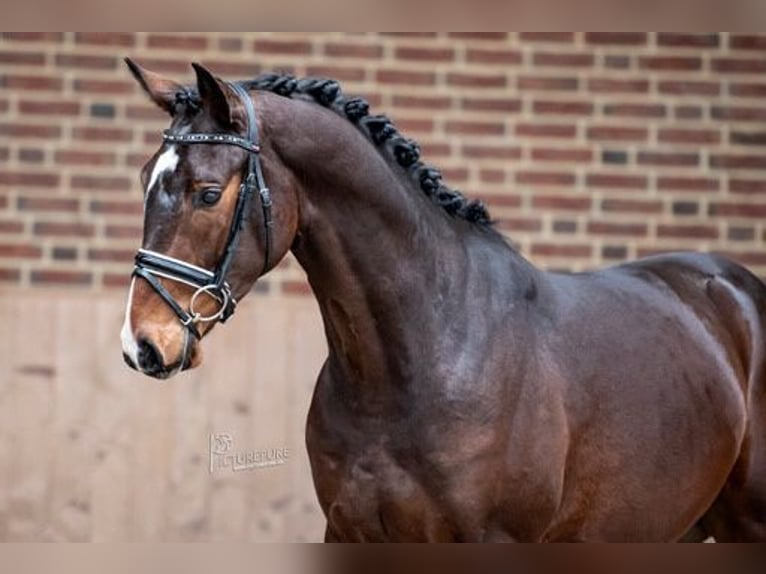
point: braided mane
(382, 132)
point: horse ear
(161, 90)
(218, 99)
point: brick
(610, 228)
(47, 37)
(618, 86)
(668, 159)
(29, 155)
(562, 155)
(733, 209)
(59, 277)
(687, 231)
(690, 136)
(11, 226)
(548, 37)
(422, 102)
(738, 113)
(519, 224)
(748, 89)
(473, 128)
(102, 110)
(54, 204)
(34, 83)
(285, 47)
(616, 181)
(631, 205)
(340, 73)
(576, 108)
(508, 105)
(614, 133)
(566, 250)
(85, 61)
(548, 83)
(670, 63)
(617, 62)
(491, 175)
(353, 50)
(614, 157)
(635, 110)
(117, 207)
(747, 42)
(177, 42)
(616, 38)
(9, 58)
(491, 152)
(20, 251)
(497, 200)
(111, 255)
(688, 112)
(424, 54)
(64, 253)
(105, 39)
(487, 56)
(747, 186)
(688, 40)
(402, 77)
(83, 157)
(748, 138)
(688, 88)
(563, 59)
(103, 134)
(416, 125)
(96, 86)
(685, 208)
(740, 234)
(614, 252)
(492, 36)
(10, 275)
(547, 178)
(64, 229)
(677, 183)
(101, 183)
(477, 80)
(231, 44)
(564, 226)
(739, 66)
(115, 231)
(730, 161)
(49, 107)
(34, 131)
(28, 179)
(546, 130)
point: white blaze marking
(167, 161)
(129, 344)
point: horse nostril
(128, 361)
(149, 358)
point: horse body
(468, 395)
(571, 434)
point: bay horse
(467, 395)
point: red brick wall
(589, 148)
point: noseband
(151, 265)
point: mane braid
(381, 131)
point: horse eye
(210, 196)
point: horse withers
(467, 395)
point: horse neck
(386, 265)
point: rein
(153, 266)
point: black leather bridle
(151, 265)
